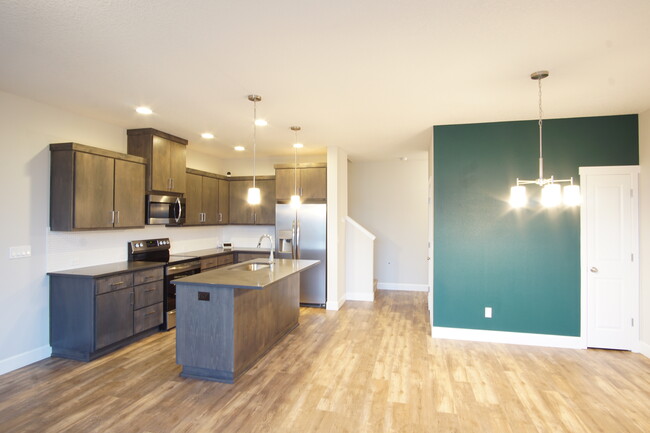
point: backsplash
(69, 250)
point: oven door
(169, 303)
(165, 209)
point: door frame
(633, 172)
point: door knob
(593, 269)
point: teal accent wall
(524, 263)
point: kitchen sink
(249, 267)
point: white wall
(644, 227)
(337, 210)
(26, 130)
(389, 198)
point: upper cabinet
(93, 188)
(205, 195)
(166, 157)
(310, 182)
(243, 213)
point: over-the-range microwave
(165, 209)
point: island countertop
(238, 276)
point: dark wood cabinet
(214, 262)
(204, 197)
(166, 158)
(113, 317)
(92, 313)
(243, 213)
(94, 189)
(310, 181)
(224, 201)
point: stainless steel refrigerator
(302, 234)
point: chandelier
(552, 194)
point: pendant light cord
(541, 158)
(295, 165)
(254, 137)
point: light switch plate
(488, 312)
(20, 252)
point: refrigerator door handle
(293, 239)
(297, 239)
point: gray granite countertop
(237, 276)
(107, 269)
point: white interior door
(610, 269)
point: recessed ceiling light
(207, 135)
(240, 148)
(298, 145)
(403, 158)
(144, 110)
(261, 122)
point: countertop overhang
(231, 276)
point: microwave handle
(180, 210)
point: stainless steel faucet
(270, 238)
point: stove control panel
(149, 245)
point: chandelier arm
(541, 158)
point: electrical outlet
(488, 312)
(20, 252)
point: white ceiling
(370, 76)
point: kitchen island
(228, 318)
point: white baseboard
(504, 337)
(23, 359)
(360, 296)
(644, 349)
(403, 286)
(335, 305)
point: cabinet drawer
(225, 259)
(147, 318)
(244, 257)
(147, 276)
(148, 294)
(209, 263)
(114, 282)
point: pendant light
(254, 196)
(551, 190)
(295, 198)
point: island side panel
(204, 330)
(262, 317)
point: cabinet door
(160, 168)
(193, 199)
(129, 194)
(177, 161)
(313, 183)
(224, 202)
(265, 212)
(211, 200)
(240, 211)
(284, 182)
(93, 191)
(113, 317)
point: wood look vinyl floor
(370, 367)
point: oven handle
(180, 210)
(172, 270)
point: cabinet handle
(150, 313)
(169, 183)
(131, 295)
(117, 284)
(112, 217)
(220, 217)
(118, 216)
(172, 183)
(146, 278)
(150, 290)
(255, 218)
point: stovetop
(155, 250)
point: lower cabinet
(214, 262)
(91, 316)
(245, 256)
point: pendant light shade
(254, 196)
(551, 195)
(518, 197)
(551, 190)
(572, 195)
